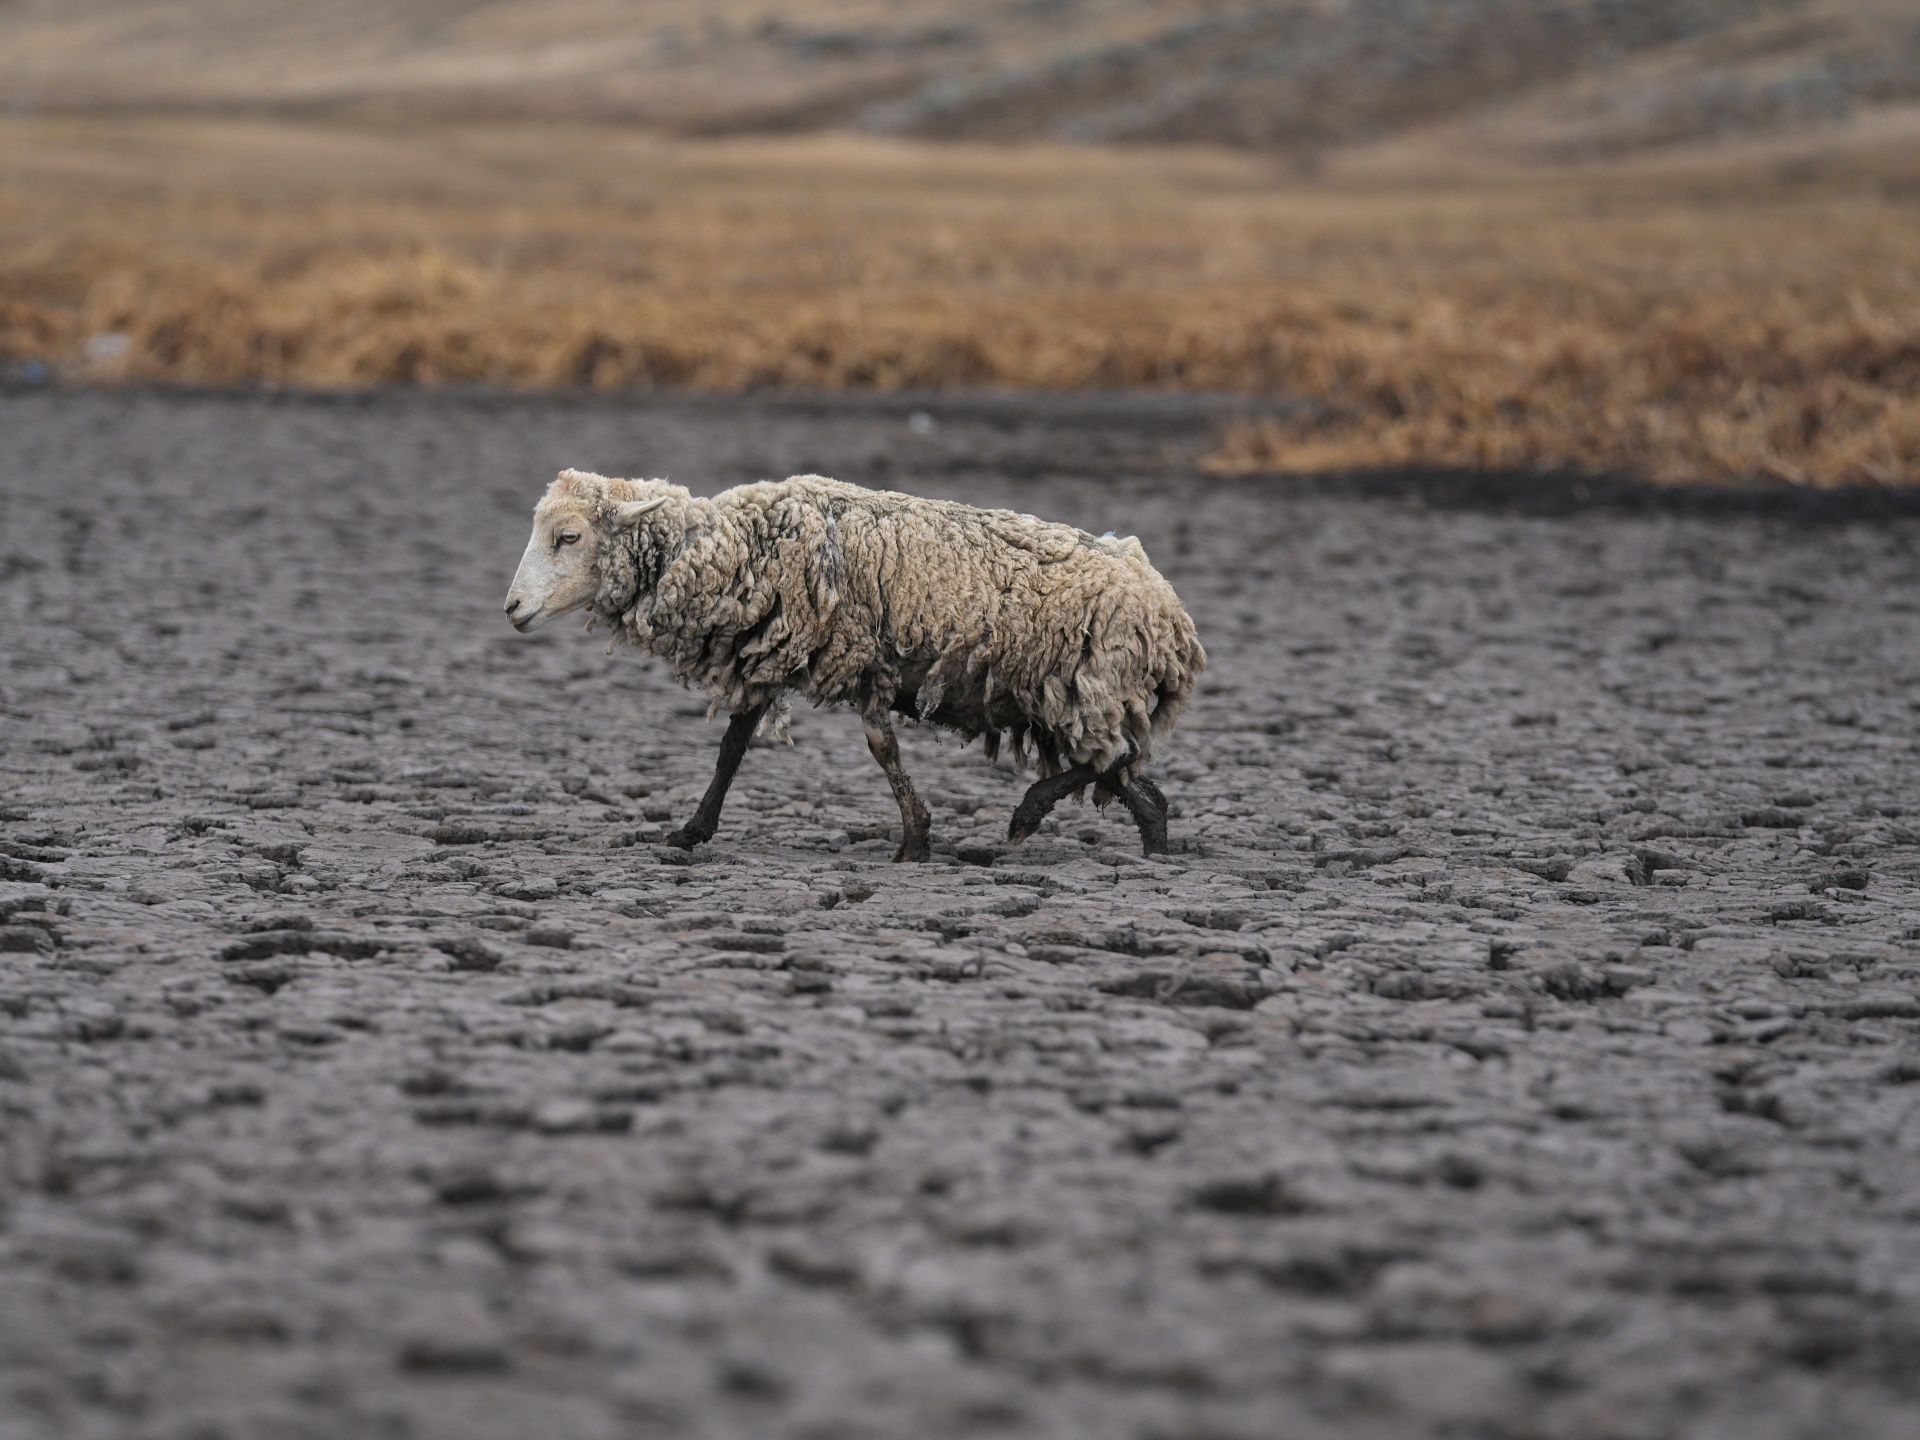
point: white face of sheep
(559, 572)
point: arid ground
(1523, 1040)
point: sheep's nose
(512, 605)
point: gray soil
(1523, 1040)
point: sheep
(983, 622)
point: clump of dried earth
(1524, 1040)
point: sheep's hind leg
(1043, 795)
(915, 822)
(1149, 810)
(733, 748)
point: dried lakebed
(1525, 1040)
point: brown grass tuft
(1811, 385)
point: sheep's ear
(627, 513)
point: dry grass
(1637, 320)
(1772, 348)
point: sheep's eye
(566, 537)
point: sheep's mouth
(525, 623)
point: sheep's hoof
(685, 838)
(912, 849)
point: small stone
(454, 1346)
(537, 887)
(1758, 1032)
(562, 1117)
(579, 1037)
(1571, 980)
(470, 954)
(1402, 985)
(312, 1034)
(94, 1022)
(460, 832)
(1604, 870)
(579, 1117)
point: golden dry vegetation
(1754, 314)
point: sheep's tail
(1170, 697)
(1169, 703)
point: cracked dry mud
(1524, 1041)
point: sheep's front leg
(1043, 795)
(733, 748)
(915, 822)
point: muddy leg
(733, 746)
(1043, 795)
(914, 820)
(1149, 810)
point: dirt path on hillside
(1524, 1042)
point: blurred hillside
(1674, 237)
(1544, 79)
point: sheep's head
(560, 571)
